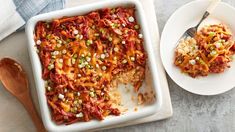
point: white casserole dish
(151, 81)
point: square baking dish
(150, 83)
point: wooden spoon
(14, 79)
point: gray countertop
(192, 113)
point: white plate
(185, 17)
(143, 111)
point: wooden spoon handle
(28, 104)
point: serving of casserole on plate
(93, 65)
(204, 64)
(210, 51)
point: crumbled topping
(132, 58)
(123, 42)
(192, 62)
(79, 115)
(38, 42)
(124, 61)
(102, 56)
(64, 51)
(79, 75)
(140, 35)
(104, 68)
(131, 19)
(115, 49)
(61, 96)
(75, 32)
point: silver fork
(192, 31)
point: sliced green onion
(212, 34)
(137, 27)
(51, 66)
(96, 34)
(213, 53)
(92, 94)
(48, 36)
(89, 42)
(110, 38)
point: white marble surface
(192, 113)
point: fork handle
(209, 10)
(212, 6)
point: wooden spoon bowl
(14, 79)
